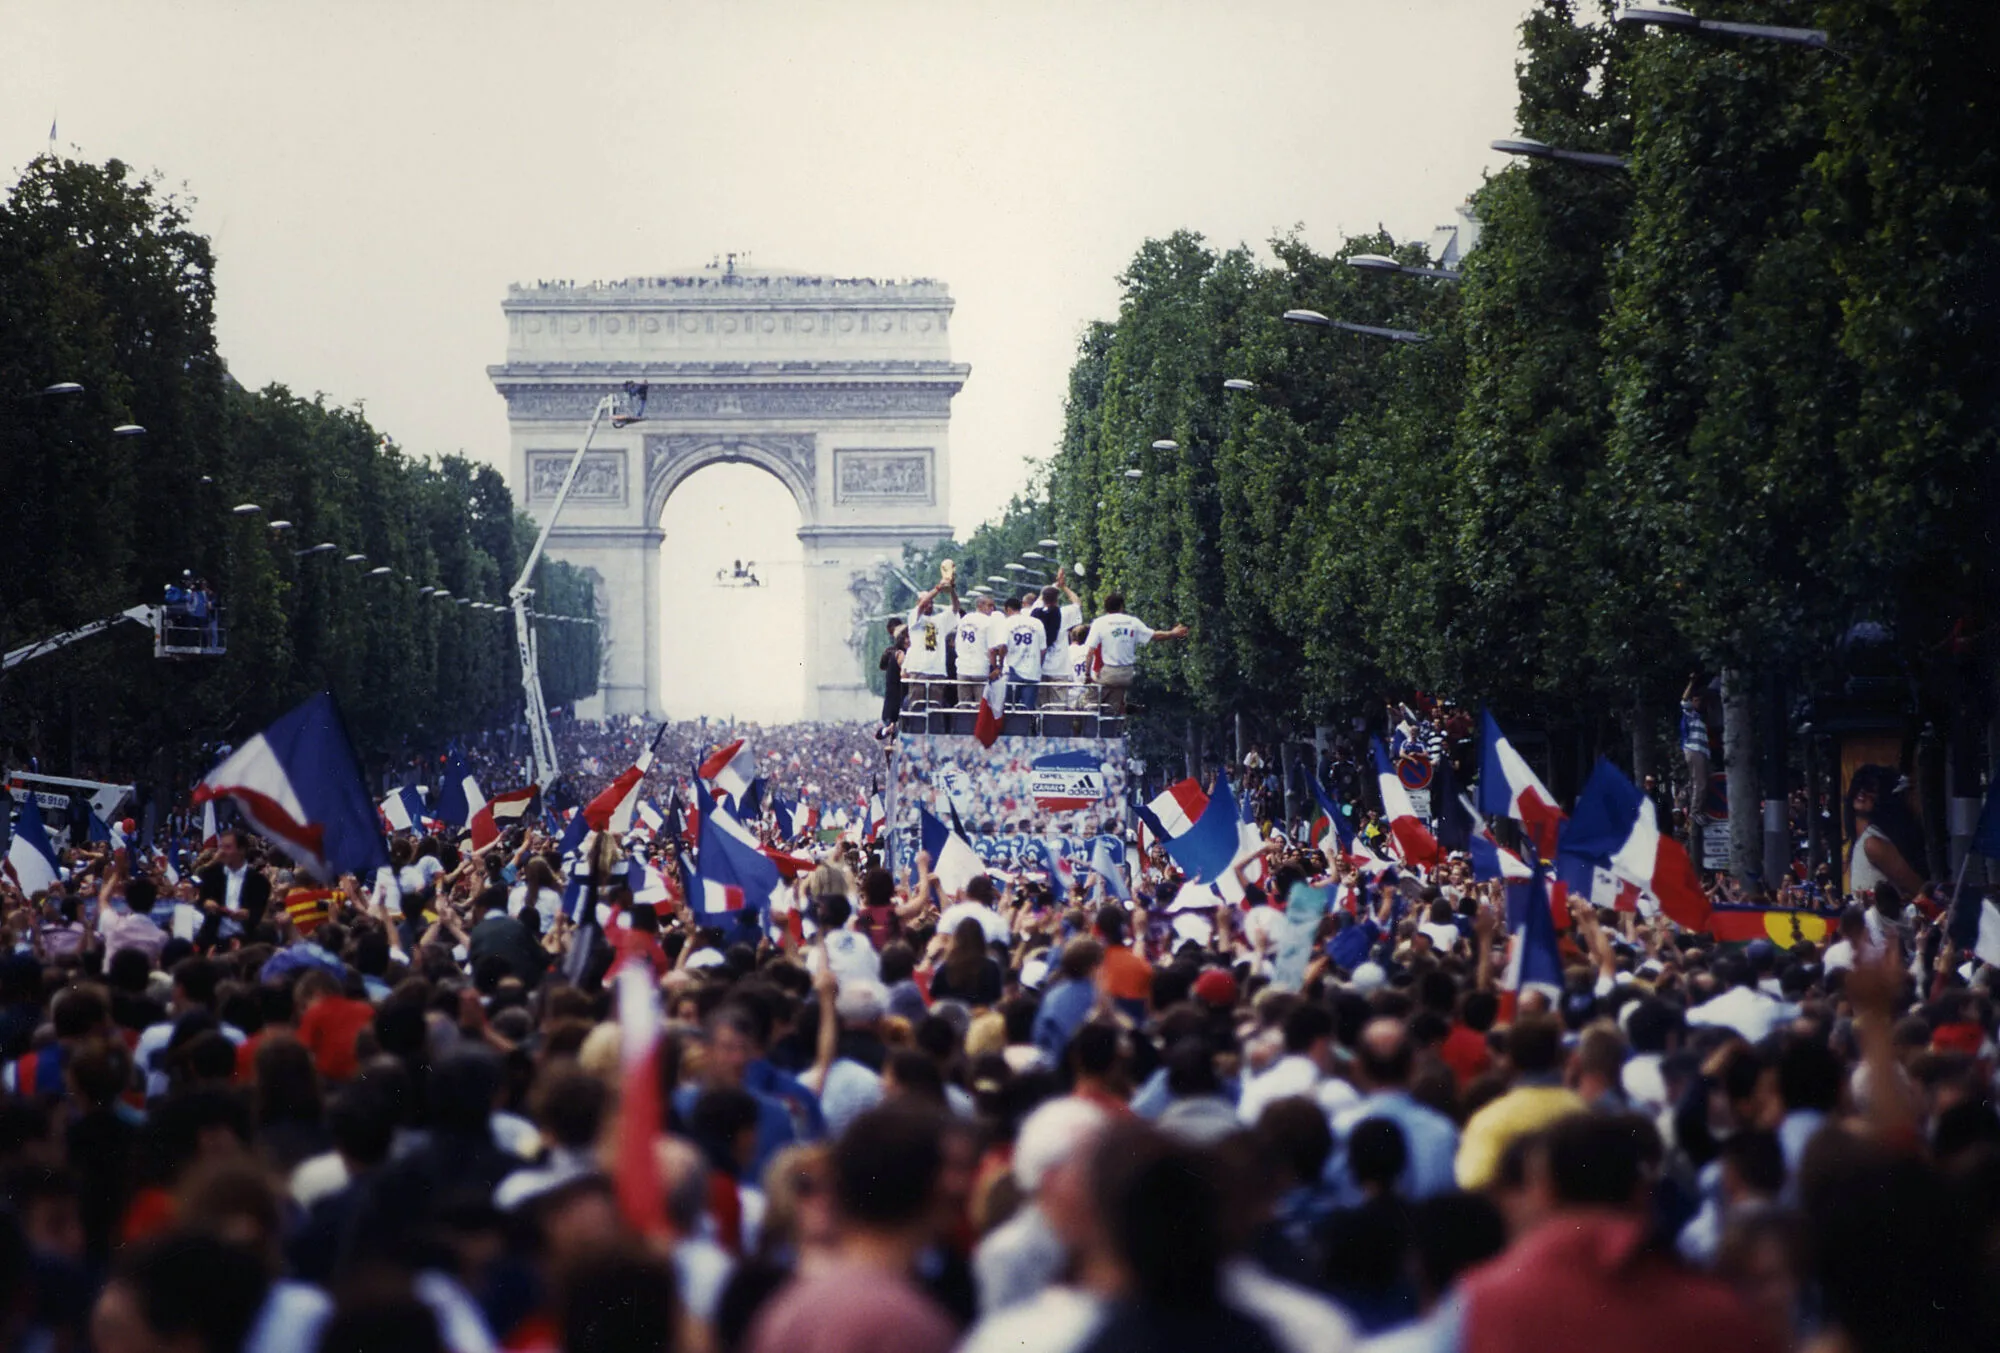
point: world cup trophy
(947, 573)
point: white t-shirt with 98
(1025, 641)
(1119, 637)
(977, 636)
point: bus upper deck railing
(1063, 709)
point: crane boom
(541, 739)
(139, 615)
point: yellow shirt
(1522, 1110)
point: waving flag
(1336, 840)
(211, 835)
(1055, 863)
(732, 877)
(988, 723)
(751, 806)
(1534, 961)
(1208, 849)
(650, 820)
(403, 810)
(496, 815)
(31, 861)
(1614, 826)
(298, 784)
(730, 768)
(953, 860)
(713, 818)
(1490, 859)
(1107, 861)
(873, 817)
(1413, 840)
(611, 811)
(640, 1193)
(787, 816)
(458, 796)
(1175, 810)
(1509, 788)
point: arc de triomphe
(840, 388)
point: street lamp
(1033, 554)
(382, 572)
(1673, 16)
(1383, 263)
(246, 509)
(128, 430)
(355, 559)
(1015, 568)
(1372, 330)
(281, 525)
(1135, 474)
(1166, 444)
(998, 578)
(425, 591)
(1239, 385)
(324, 547)
(1542, 150)
(1050, 544)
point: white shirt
(232, 886)
(417, 874)
(977, 636)
(1026, 641)
(1746, 1010)
(1119, 637)
(928, 636)
(1055, 659)
(1291, 1075)
(853, 958)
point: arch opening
(728, 648)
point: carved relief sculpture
(882, 476)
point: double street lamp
(1680, 20)
(1542, 150)
(1315, 318)
(1382, 263)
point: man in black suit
(231, 889)
(497, 934)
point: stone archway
(841, 389)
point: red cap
(1217, 988)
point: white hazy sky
(375, 173)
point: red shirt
(1584, 1281)
(328, 1031)
(1466, 1053)
(1125, 976)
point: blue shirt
(1062, 1013)
(1432, 1140)
(766, 1081)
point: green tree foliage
(1707, 413)
(103, 283)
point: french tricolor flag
(730, 768)
(1614, 825)
(1207, 848)
(1337, 840)
(1413, 840)
(500, 813)
(1490, 859)
(297, 783)
(1508, 788)
(458, 794)
(31, 861)
(611, 811)
(1535, 960)
(986, 725)
(641, 1196)
(1174, 810)
(403, 810)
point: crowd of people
(389, 1115)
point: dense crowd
(386, 1116)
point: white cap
(1368, 978)
(1051, 1135)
